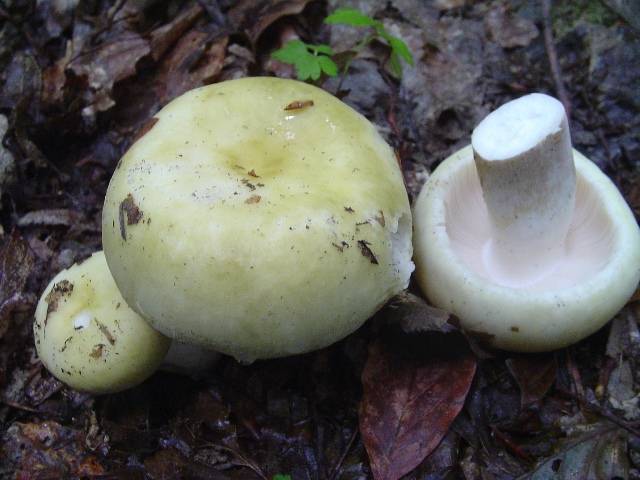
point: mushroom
(258, 217)
(88, 337)
(522, 237)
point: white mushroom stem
(524, 159)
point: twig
(604, 376)
(595, 408)
(549, 44)
(338, 466)
(632, 428)
(508, 442)
(242, 461)
(19, 406)
(575, 378)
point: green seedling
(310, 61)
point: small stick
(336, 469)
(556, 73)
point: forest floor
(79, 79)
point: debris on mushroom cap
(507, 240)
(88, 337)
(258, 232)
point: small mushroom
(88, 337)
(245, 226)
(522, 237)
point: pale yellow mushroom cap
(258, 217)
(88, 337)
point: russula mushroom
(88, 337)
(522, 237)
(258, 217)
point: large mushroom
(522, 237)
(258, 217)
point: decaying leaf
(253, 17)
(194, 61)
(49, 217)
(600, 454)
(510, 30)
(16, 261)
(167, 35)
(408, 406)
(535, 375)
(414, 315)
(47, 450)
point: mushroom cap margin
(517, 319)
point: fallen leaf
(535, 375)
(16, 261)
(170, 463)
(414, 315)
(112, 61)
(194, 61)
(599, 454)
(49, 217)
(255, 17)
(510, 30)
(164, 37)
(408, 405)
(48, 450)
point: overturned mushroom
(523, 238)
(244, 225)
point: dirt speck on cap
(105, 331)
(253, 199)
(340, 247)
(133, 214)
(367, 252)
(299, 104)
(97, 350)
(59, 290)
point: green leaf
(321, 48)
(291, 52)
(400, 48)
(279, 476)
(308, 67)
(394, 65)
(328, 66)
(350, 16)
(397, 46)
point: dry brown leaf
(408, 406)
